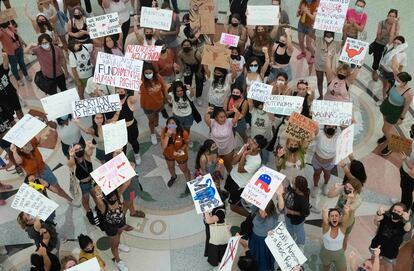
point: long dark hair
(45, 26)
(174, 86)
(302, 185)
(179, 130)
(95, 126)
(205, 147)
(155, 79)
(221, 80)
(270, 209)
(357, 170)
(114, 38)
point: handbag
(196, 114)
(48, 86)
(219, 233)
(74, 187)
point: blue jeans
(18, 58)
(296, 231)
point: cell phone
(2, 163)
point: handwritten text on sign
(332, 113)
(262, 15)
(143, 52)
(204, 194)
(113, 173)
(115, 136)
(59, 104)
(230, 40)
(93, 106)
(282, 246)
(24, 130)
(259, 91)
(34, 203)
(230, 254)
(283, 104)
(262, 186)
(354, 51)
(344, 144)
(118, 71)
(331, 15)
(104, 25)
(156, 18)
(300, 127)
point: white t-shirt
(82, 61)
(217, 96)
(261, 124)
(69, 134)
(326, 147)
(253, 163)
(181, 108)
(400, 54)
(120, 8)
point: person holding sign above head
(355, 21)
(171, 37)
(281, 52)
(260, 38)
(283, 18)
(78, 30)
(220, 84)
(111, 45)
(68, 132)
(239, 102)
(148, 37)
(41, 24)
(236, 28)
(166, 66)
(306, 12)
(119, 6)
(255, 71)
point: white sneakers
(314, 191)
(199, 102)
(123, 248)
(137, 159)
(154, 139)
(325, 189)
(121, 266)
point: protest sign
(118, 71)
(259, 91)
(331, 15)
(283, 104)
(113, 173)
(300, 127)
(261, 187)
(285, 250)
(7, 15)
(400, 144)
(202, 16)
(156, 18)
(345, 144)
(262, 15)
(204, 194)
(354, 51)
(59, 104)
(103, 25)
(93, 106)
(143, 52)
(115, 136)
(217, 56)
(89, 265)
(32, 202)
(229, 39)
(24, 130)
(332, 112)
(230, 254)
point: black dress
(214, 253)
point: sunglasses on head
(302, 81)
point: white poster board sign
(143, 52)
(59, 104)
(262, 15)
(24, 130)
(204, 194)
(32, 202)
(113, 173)
(345, 144)
(354, 51)
(93, 106)
(332, 112)
(103, 25)
(156, 18)
(229, 39)
(230, 254)
(115, 136)
(118, 71)
(259, 91)
(283, 104)
(89, 265)
(282, 246)
(331, 15)
(261, 187)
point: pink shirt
(358, 18)
(223, 136)
(45, 59)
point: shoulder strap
(405, 91)
(54, 61)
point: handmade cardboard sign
(261, 187)
(156, 18)
(115, 136)
(143, 52)
(24, 130)
(202, 16)
(332, 112)
(217, 56)
(259, 91)
(7, 15)
(118, 71)
(230, 254)
(229, 39)
(204, 194)
(331, 15)
(285, 250)
(354, 51)
(59, 104)
(103, 25)
(32, 202)
(89, 265)
(262, 15)
(300, 127)
(283, 104)
(113, 173)
(93, 106)
(400, 144)
(345, 144)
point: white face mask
(45, 46)
(280, 82)
(329, 40)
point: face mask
(172, 126)
(235, 97)
(121, 96)
(148, 36)
(341, 77)
(359, 9)
(77, 17)
(186, 49)
(40, 23)
(261, 111)
(281, 44)
(361, 269)
(235, 57)
(163, 51)
(213, 151)
(217, 77)
(329, 39)
(80, 153)
(280, 82)
(149, 75)
(254, 68)
(235, 24)
(293, 149)
(4, 25)
(330, 131)
(45, 46)
(395, 216)
(346, 191)
(90, 251)
(112, 201)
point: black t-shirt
(6, 87)
(298, 203)
(389, 236)
(6, 120)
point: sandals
(137, 214)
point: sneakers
(301, 55)
(386, 151)
(199, 102)
(315, 210)
(381, 140)
(123, 248)
(154, 139)
(311, 60)
(137, 159)
(172, 180)
(325, 189)
(314, 191)
(121, 266)
(28, 78)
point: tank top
(75, 29)
(114, 216)
(210, 167)
(385, 34)
(396, 98)
(305, 106)
(83, 169)
(333, 244)
(126, 112)
(337, 91)
(281, 59)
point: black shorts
(11, 101)
(235, 191)
(112, 229)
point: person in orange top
(153, 97)
(174, 143)
(307, 13)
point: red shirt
(45, 59)
(32, 163)
(9, 41)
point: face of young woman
(109, 42)
(302, 88)
(334, 218)
(221, 118)
(179, 92)
(98, 119)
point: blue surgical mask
(45, 46)
(359, 9)
(149, 75)
(254, 68)
(172, 126)
(309, 1)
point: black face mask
(341, 77)
(293, 149)
(281, 44)
(395, 216)
(163, 51)
(235, 97)
(361, 269)
(77, 17)
(235, 57)
(80, 153)
(186, 49)
(41, 23)
(346, 191)
(121, 96)
(217, 77)
(4, 25)
(148, 36)
(330, 131)
(235, 24)
(112, 201)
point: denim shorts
(390, 261)
(48, 175)
(100, 155)
(86, 187)
(304, 29)
(186, 121)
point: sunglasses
(254, 65)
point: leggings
(61, 83)
(407, 188)
(378, 50)
(188, 80)
(133, 137)
(125, 30)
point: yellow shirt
(84, 256)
